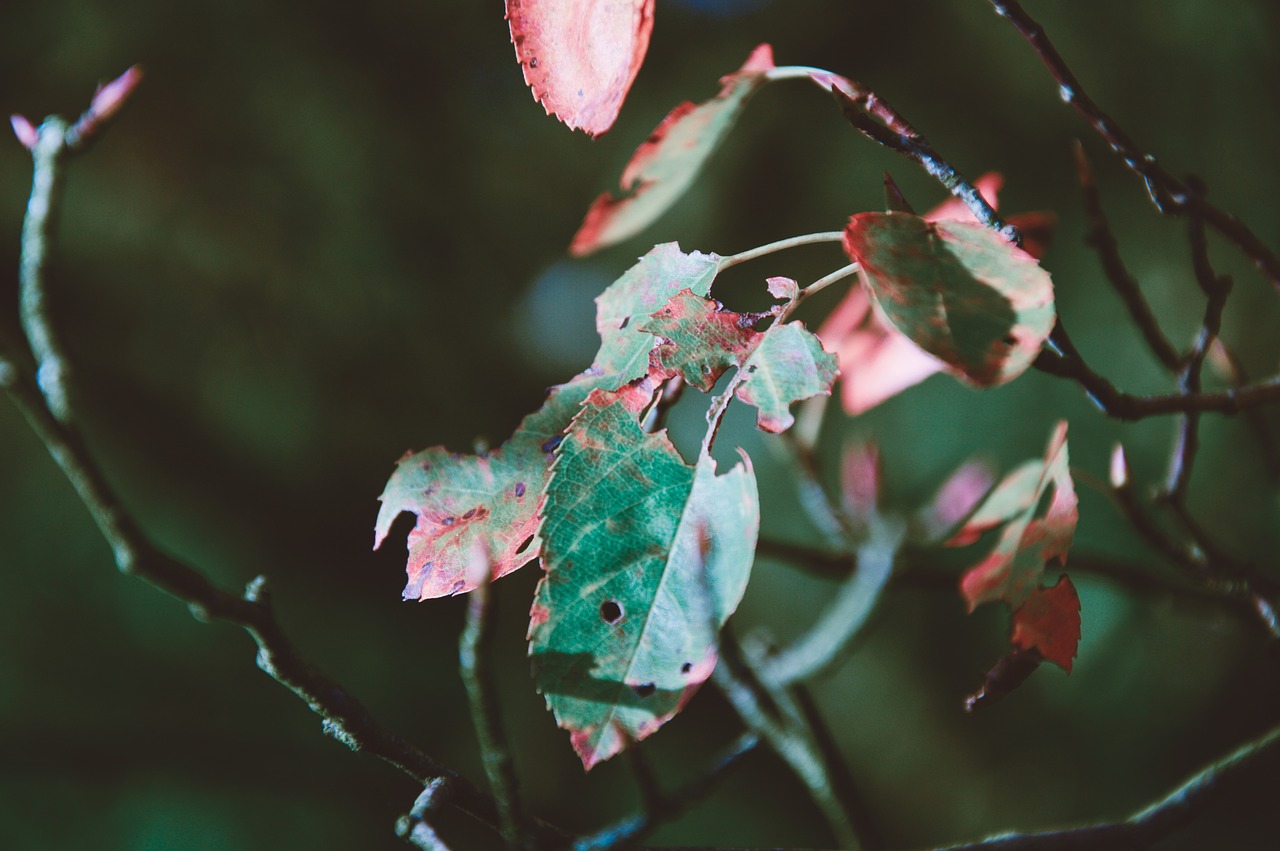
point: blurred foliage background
(323, 234)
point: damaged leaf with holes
(646, 557)
(494, 500)
(780, 365)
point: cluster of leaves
(646, 554)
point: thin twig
(1169, 194)
(1150, 824)
(664, 808)
(415, 828)
(1103, 241)
(832, 632)
(772, 715)
(344, 718)
(473, 649)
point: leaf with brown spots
(580, 57)
(494, 500)
(645, 557)
(664, 166)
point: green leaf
(958, 290)
(664, 166)
(789, 365)
(645, 557)
(494, 501)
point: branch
(1150, 824)
(51, 417)
(1101, 239)
(1169, 194)
(473, 647)
(663, 808)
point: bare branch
(1169, 194)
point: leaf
(958, 290)
(664, 166)
(780, 365)
(580, 57)
(954, 503)
(1046, 621)
(1013, 570)
(876, 361)
(645, 557)
(700, 340)
(1049, 623)
(493, 501)
(789, 365)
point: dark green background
(324, 234)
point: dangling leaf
(493, 501)
(662, 168)
(1049, 623)
(959, 290)
(1046, 621)
(580, 57)
(645, 557)
(1014, 568)
(781, 365)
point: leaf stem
(473, 649)
(780, 245)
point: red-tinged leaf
(1049, 622)
(958, 290)
(1017, 492)
(1013, 570)
(876, 361)
(664, 166)
(700, 340)
(646, 558)
(780, 366)
(955, 502)
(860, 482)
(494, 501)
(580, 57)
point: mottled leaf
(493, 501)
(780, 365)
(700, 340)
(788, 365)
(645, 557)
(1014, 568)
(954, 503)
(1046, 621)
(959, 290)
(1049, 623)
(580, 57)
(662, 167)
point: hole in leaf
(626, 320)
(524, 545)
(644, 690)
(752, 368)
(686, 667)
(519, 489)
(610, 611)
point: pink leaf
(580, 57)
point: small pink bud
(25, 131)
(110, 97)
(1119, 468)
